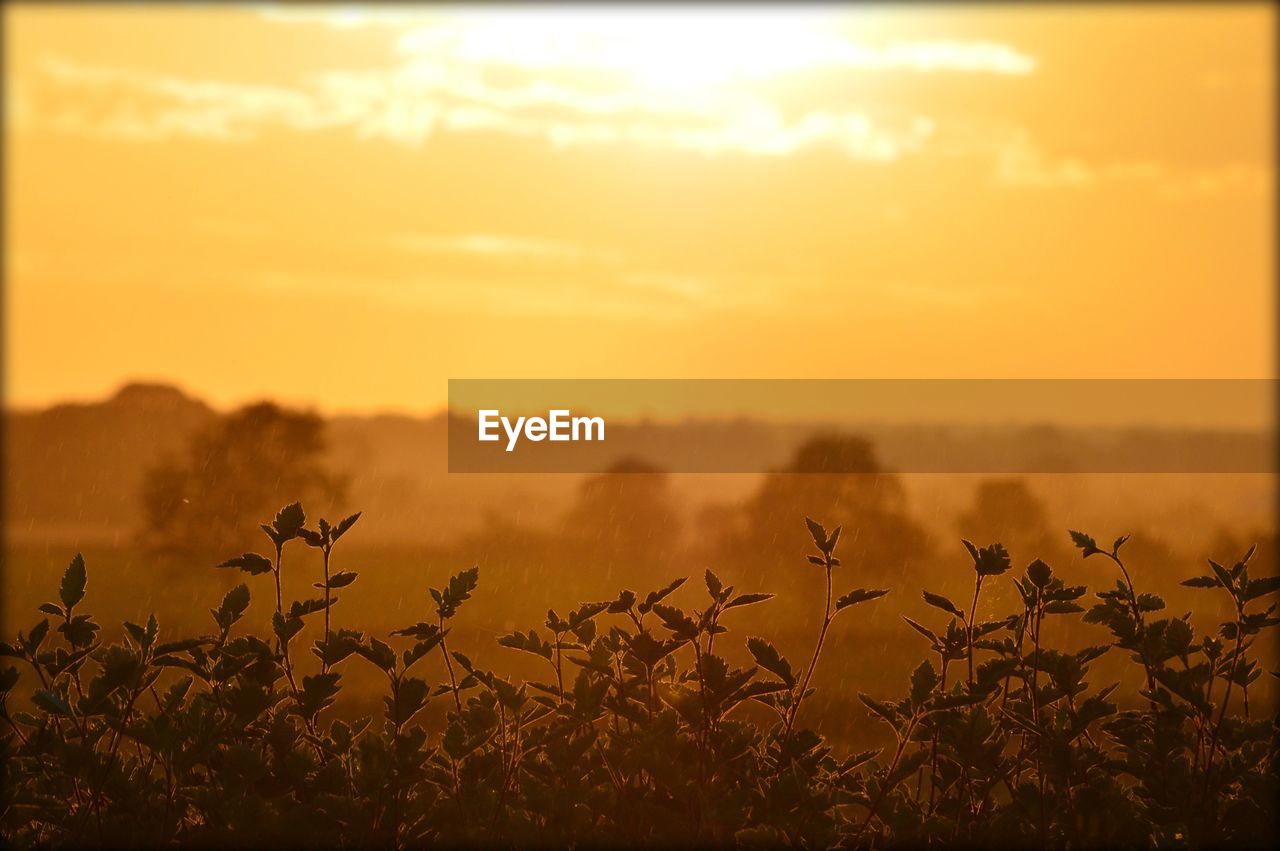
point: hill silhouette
(74, 471)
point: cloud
(410, 104)
(1023, 164)
(689, 79)
(491, 245)
(761, 83)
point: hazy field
(873, 652)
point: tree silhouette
(232, 472)
(624, 515)
(1007, 510)
(837, 476)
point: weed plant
(636, 736)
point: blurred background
(245, 248)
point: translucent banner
(849, 426)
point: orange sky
(346, 209)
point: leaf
(1261, 587)
(302, 608)
(768, 657)
(1149, 603)
(379, 653)
(922, 629)
(73, 583)
(285, 626)
(79, 630)
(584, 613)
(311, 537)
(318, 692)
(680, 624)
(923, 680)
(456, 592)
(626, 599)
(1201, 582)
(747, 600)
(907, 766)
(1224, 576)
(408, 701)
(1178, 635)
(714, 586)
(529, 643)
(760, 836)
(36, 636)
(1039, 573)
(1087, 545)
(8, 679)
(51, 609)
(342, 579)
(235, 602)
(420, 630)
(344, 525)
(879, 709)
(51, 703)
(658, 596)
(289, 521)
(137, 633)
(940, 602)
(251, 563)
(182, 645)
(819, 534)
(990, 561)
(422, 648)
(859, 595)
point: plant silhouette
(640, 735)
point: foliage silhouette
(638, 736)
(234, 471)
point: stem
(453, 683)
(280, 642)
(813, 661)
(1137, 617)
(324, 662)
(973, 609)
(559, 670)
(706, 716)
(276, 572)
(1035, 708)
(933, 746)
(884, 789)
(111, 758)
(1222, 713)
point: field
(1006, 703)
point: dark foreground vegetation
(636, 736)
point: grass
(632, 719)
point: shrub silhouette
(637, 737)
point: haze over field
(75, 472)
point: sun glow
(687, 77)
(661, 49)
(691, 48)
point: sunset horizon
(582, 425)
(448, 186)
